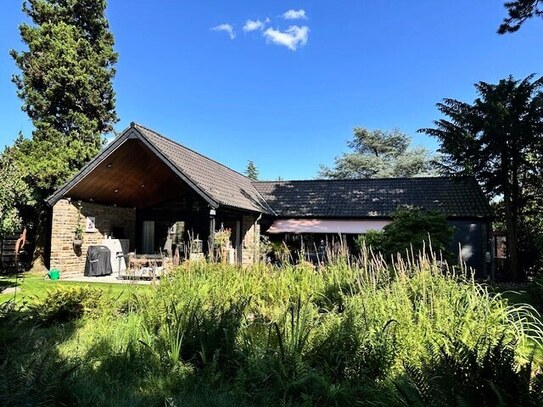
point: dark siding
(471, 235)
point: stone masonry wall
(250, 232)
(71, 260)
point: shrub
(412, 230)
(64, 304)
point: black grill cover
(98, 261)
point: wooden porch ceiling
(132, 176)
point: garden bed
(213, 334)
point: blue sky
(289, 99)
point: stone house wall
(250, 232)
(70, 260)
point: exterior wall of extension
(70, 260)
(250, 231)
(66, 257)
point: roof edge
(129, 133)
(190, 149)
(106, 152)
(363, 179)
(193, 184)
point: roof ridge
(363, 179)
(171, 148)
(190, 149)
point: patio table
(138, 262)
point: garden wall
(70, 260)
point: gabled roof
(222, 184)
(458, 197)
(214, 182)
(219, 185)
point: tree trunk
(40, 238)
(511, 224)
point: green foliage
(374, 239)
(477, 375)
(519, 11)
(411, 230)
(379, 154)
(499, 140)
(15, 193)
(66, 73)
(251, 171)
(65, 84)
(215, 334)
(66, 304)
(535, 289)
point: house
(354, 206)
(148, 191)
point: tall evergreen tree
(251, 171)
(65, 85)
(379, 154)
(499, 140)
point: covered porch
(136, 203)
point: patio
(110, 279)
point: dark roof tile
(222, 184)
(455, 197)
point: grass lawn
(33, 287)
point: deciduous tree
(15, 193)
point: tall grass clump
(363, 330)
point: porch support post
(212, 213)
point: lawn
(33, 287)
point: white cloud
(252, 25)
(292, 38)
(295, 15)
(227, 28)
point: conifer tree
(65, 85)
(499, 140)
(379, 154)
(251, 171)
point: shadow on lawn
(31, 370)
(111, 372)
(7, 284)
(10, 280)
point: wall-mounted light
(109, 165)
(142, 185)
(117, 190)
(212, 212)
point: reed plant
(362, 330)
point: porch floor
(112, 278)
